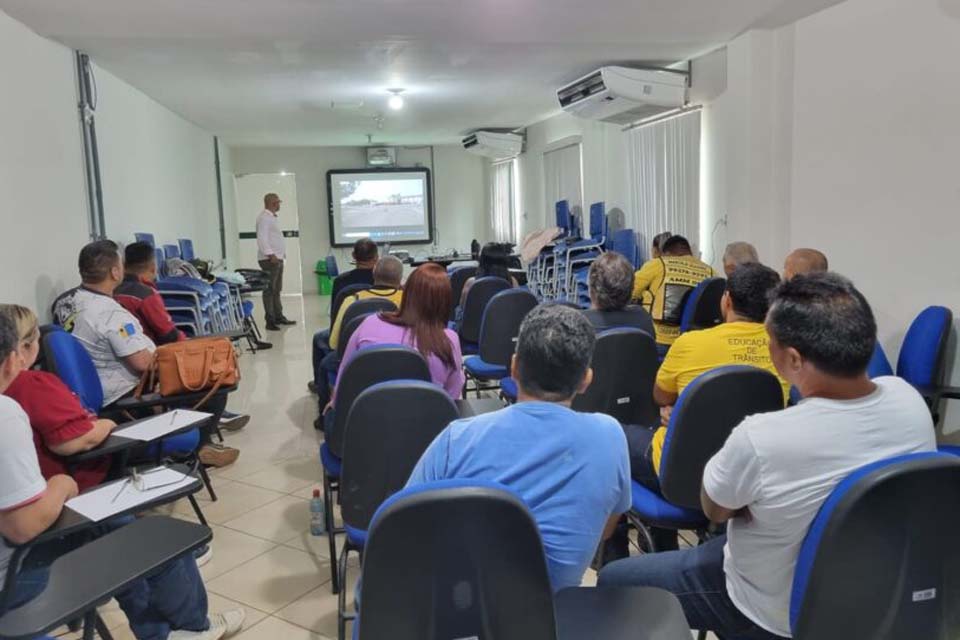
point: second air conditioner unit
(623, 95)
(490, 144)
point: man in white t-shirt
(171, 603)
(776, 469)
(115, 340)
(271, 252)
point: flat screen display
(386, 205)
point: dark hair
(827, 321)
(610, 281)
(676, 246)
(750, 286)
(138, 256)
(96, 260)
(554, 348)
(424, 310)
(365, 250)
(9, 338)
(495, 260)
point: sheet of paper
(123, 495)
(159, 426)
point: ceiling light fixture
(396, 100)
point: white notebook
(161, 425)
(124, 495)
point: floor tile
(272, 580)
(233, 499)
(274, 629)
(289, 476)
(317, 610)
(278, 521)
(231, 549)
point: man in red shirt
(138, 294)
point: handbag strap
(207, 365)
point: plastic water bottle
(317, 522)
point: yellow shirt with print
(697, 352)
(661, 285)
(393, 295)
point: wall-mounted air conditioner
(622, 95)
(498, 146)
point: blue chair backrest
(172, 250)
(186, 248)
(878, 561)
(66, 358)
(921, 354)
(332, 270)
(161, 258)
(564, 220)
(625, 243)
(598, 220)
(702, 307)
(706, 412)
(879, 365)
(145, 237)
(481, 550)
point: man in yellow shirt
(663, 283)
(387, 275)
(741, 339)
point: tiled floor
(264, 558)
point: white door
(250, 189)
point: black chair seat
(637, 613)
(83, 579)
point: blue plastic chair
(879, 559)
(186, 249)
(145, 237)
(68, 360)
(332, 269)
(171, 250)
(879, 364)
(498, 336)
(922, 361)
(706, 412)
(702, 307)
(625, 243)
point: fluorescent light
(395, 102)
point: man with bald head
(801, 262)
(271, 252)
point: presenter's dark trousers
(273, 309)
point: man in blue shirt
(571, 469)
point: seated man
(776, 469)
(115, 340)
(610, 282)
(387, 276)
(665, 282)
(738, 253)
(801, 262)
(365, 258)
(138, 294)
(171, 603)
(571, 469)
(741, 339)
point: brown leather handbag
(191, 366)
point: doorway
(250, 189)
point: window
(561, 178)
(504, 197)
(664, 161)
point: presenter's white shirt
(783, 466)
(269, 236)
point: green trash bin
(324, 281)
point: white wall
(157, 170)
(460, 193)
(44, 217)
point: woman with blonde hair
(61, 425)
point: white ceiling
(266, 71)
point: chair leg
(331, 534)
(196, 510)
(342, 595)
(702, 635)
(205, 477)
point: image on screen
(385, 206)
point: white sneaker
(203, 555)
(222, 625)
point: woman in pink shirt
(420, 323)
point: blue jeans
(321, 347)
(696, 577)
(171, 598)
